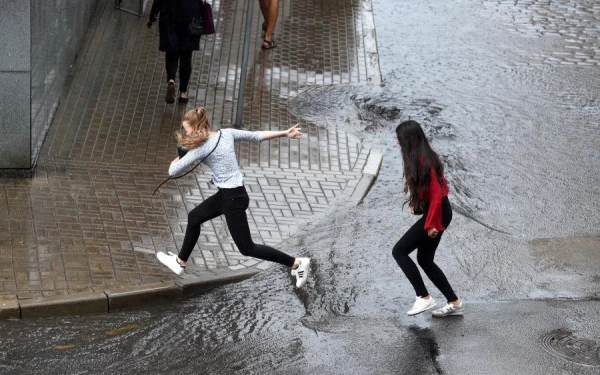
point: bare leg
(270, 12)
(264, 8)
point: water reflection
(425, 342)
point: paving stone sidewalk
(87, 221)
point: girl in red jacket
(427, 195)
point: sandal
(268, 44)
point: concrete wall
(15, 75)
(39, 42)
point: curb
(74, 304)
(120, 298)
(370, 173)
(132, 296)
(9, 307)
(201, 282)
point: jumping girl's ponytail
(198, 120)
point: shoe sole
(170, 97)
(422, 311)
(169, 267)
(305, 278)
(460, 313)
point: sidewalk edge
(198, 283)
(72, 304)
(127, 297)
(370, 173)
(370, 43)
(9, 307)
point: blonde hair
(198, 120)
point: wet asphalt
(517, 125)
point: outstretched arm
(293, 132)
(259, 136)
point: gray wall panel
(15, 151)
(39, 41)
(14, 35)
(57, 31)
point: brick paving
(574, 22)
(87, 220)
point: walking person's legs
(185, 71)
(270, 12)
(264, 10)
(171, 62)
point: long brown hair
(198, 120)
(419, 158)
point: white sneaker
(421, 304)
(170, 261)
(449, 309)
(301, 272)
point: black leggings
(183, 58)
(416, 238)
(233, 204)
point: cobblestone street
(577, 22)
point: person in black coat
(176, 41)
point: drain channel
(566, 345)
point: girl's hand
(175, 160)
(411, 209)
(432, 232)
(294, 132)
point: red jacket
(436, 193)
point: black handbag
(196, 27)
(205, 24)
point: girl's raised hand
(294, 132)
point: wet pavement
(214, 338)
(519, 136)
(87, 221)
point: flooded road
(508, 94)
